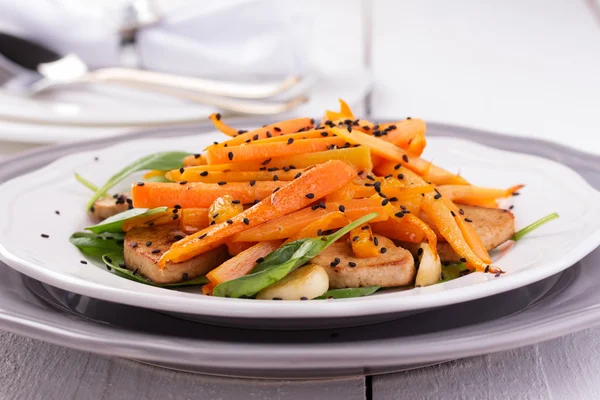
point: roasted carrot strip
(236, 248)
(346, 192)
(358, 157)
(241, 264)
(331, 220)
(465, 194)
(194, 160)
(317, 182)
(288, 225)
(345, 112)
(425, 169)
(153, 173)
(310, 134)
(276, 129)
(193, 219)
(408, 134)
(361, 240)
(196, 194)
(222, 126)
(485, 203)
(190, 175)
(266, 152)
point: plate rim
(331, 309)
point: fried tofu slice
(145, 246)
(394, 267)
(493, 225)
(109, 206)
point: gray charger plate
(553, 307)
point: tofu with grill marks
(145, 246)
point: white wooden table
(524, 67)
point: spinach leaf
(281, 262)
(531, 227)
(95, 245)
(85, 182)
(158, 178)
(116, 262)
(348, 293)
(453, 271)
(115, 223)
(163, 161)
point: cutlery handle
(200, 85)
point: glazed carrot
(316, 182)
(310, 134)
(207, 289)
(276, 129)
(236, 248)
(361, 240)
(485, 203)
(358, 157)
(196, 194)
(194, 160)
(408, 134)
(345, 112)
(224, 208)
(346, 192)
(192, 175)
(193, 219)
(267, 151)
(153, 173)
(361, 191)
(331, 220)
(288, 225)
(241, 264)
(411, 223)
(465, 194)
(425, 169)
(143, 220)
(222, 126)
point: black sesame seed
(437, 196)
(351, 264)
(487, 268)
(382, 250)
(369, 177)
(255, 137)
(322, 205)
(175, 216)
(337, 260)
(204, 173)
(230, 155)
(342, 208)
(57, 212)
(212, 222)
(314, 207)
(462, 259)
(461, 212)
(355, 238)
(134, 245)
(399, 214)
(364, 228)
(320, 232)
(349, 128)
(252, 182)
(276, 189)
(405, 158)
(310, 195)
(259, 260)
(420, 251)
(178, 237)
(290, 141)
(516, 194)
(155, 251)
(229, 221)
(235, 202)
(203, 236)
(324, 134)
(275, 178)
(185, 276)
(268, 160)
(468, 220)
(108, 259)
(277, 129)
(303, 298)
(392, 199)
(149, 243)
(183, 182)
(511, 207)
(221, 183)
(277, 298)
(196, 155)
(376, 241)
(218, 116)
(269, 135)
(140, 184)
(45, 236)
(83, 262)
(215, 142)
(385, 202)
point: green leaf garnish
(158, 178)
(348, 293)
(530, 228)
(281, 262)
(162, 161)
(115, 223)
(95, 245)
(86, 183)
(453, 271)
(116, 262)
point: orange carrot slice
(265, 152)
(222, 126)
(314, 183)
(192, 175)
(276, 129)
(465, 194)
(196, 194)
(331, 220)
(361, 240)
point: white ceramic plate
(28, 204)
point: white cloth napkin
(227, 38)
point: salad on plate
(300, 210)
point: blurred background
(74, 70)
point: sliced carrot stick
(358, 157)
(288, 225)
(266, 152)
(485, 203)
(153, 173)
(198, 195)
(236, 248)
(465, 194)
(425, 169)
(207, 289)
(193, 219)
(194, 160)
(331, 220)
(408, 134)
(241, 264)
(222, 126)
(346, 192)
(345, 110)
(310, 134)
(361, 240)
(316, 182)
(276, 129)
(191, 175)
